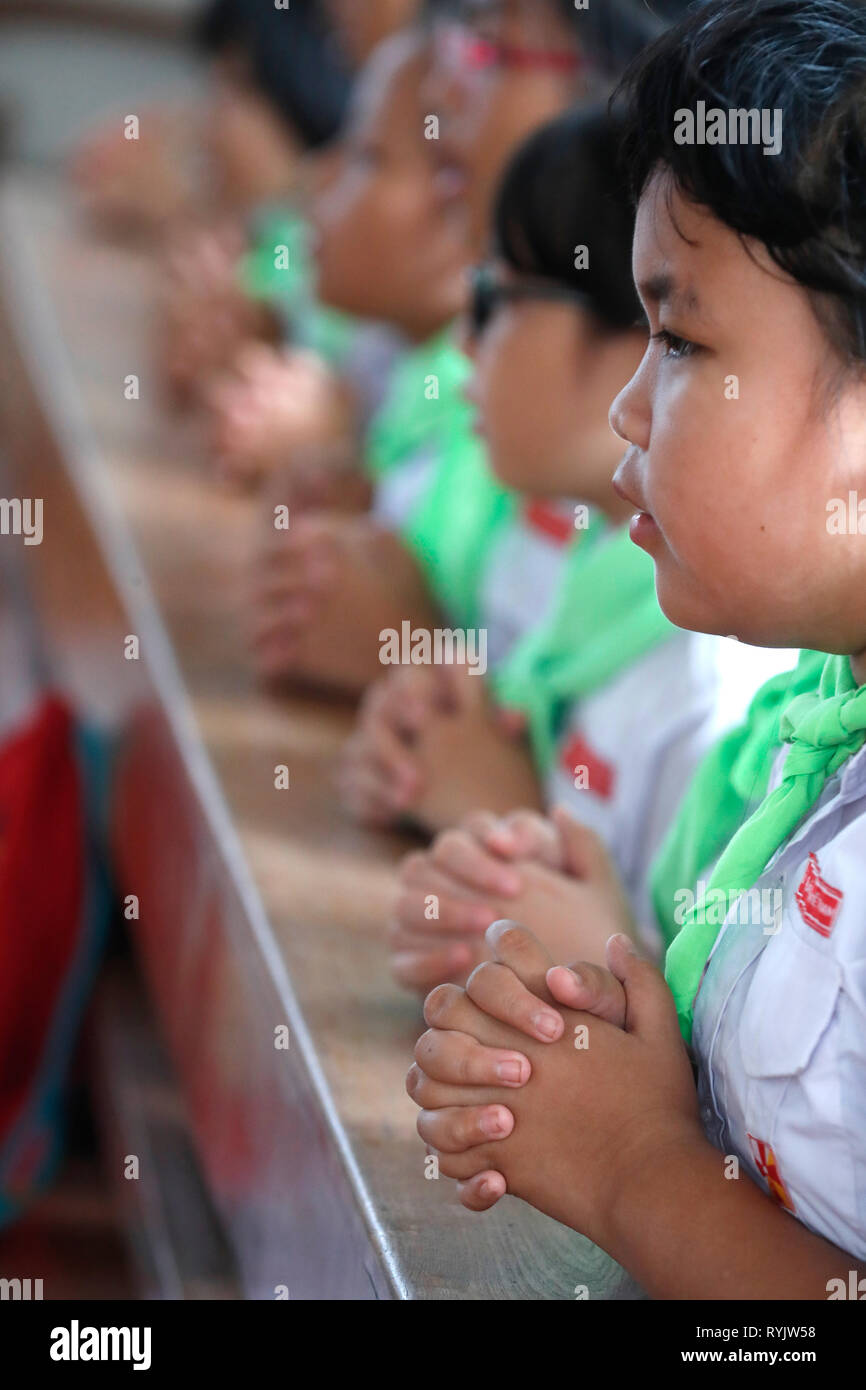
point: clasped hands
(565, 1087)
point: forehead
(682, 252)
(387, 95)
(517, 20)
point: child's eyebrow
(663, 289)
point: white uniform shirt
(397, 494)
(522, 573)
(628, 751)
(780, 1022)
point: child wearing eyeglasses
(746, 1178)
(594, 700)
(327, 588)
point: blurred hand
(276, 406)
(556, 876)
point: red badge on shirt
(556, 525)
(765, 1162)
(587, 769)
(817, 900)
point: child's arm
(606, 1137)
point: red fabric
(41, 892)
(541, 516)
(818, 900)
(601, 777)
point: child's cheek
(690, 485)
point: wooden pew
(258, 909)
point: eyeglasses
(488, 294)
(468, 52)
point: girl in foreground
(751, 267)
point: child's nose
(629, 415)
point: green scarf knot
(605, 617)
(825, 726)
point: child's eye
(674, 345)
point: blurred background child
(618, 707)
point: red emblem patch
(765, 1162)
(817, 900)
(558, 527)
(599, 776)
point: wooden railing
(260, 911)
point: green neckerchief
(729, 783)
(605, 616)
(824, 725)
(278, 271)
(267, 272)
(424, 407)
(452, 527)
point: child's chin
(509, 471)
(677, 602)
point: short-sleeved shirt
(523, 571)
(780, 1021)
(629, 750)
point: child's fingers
(289, 609)
(274, 657)
(396, 762)
(519, 949)
(456, 1059)
(449, 1008)
(272, 587)
(412, 914)
(528, 835)
(469, 1164)
(419, 874)
(421, 971)
(584, 853)
(500, 994)
(650, 1008)
(589, 989)
(483, 1191)
(375, 757)
(481, 824)
(458, 1128)
(282, 629)
(281, 560)
(460, 856)
(437, 1095)
(363, 795)
(406, 700)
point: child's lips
(642, 527)
(628, 495)
(643, 530)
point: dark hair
(562, 190)
(293, 58)
(806, 204)
(218, 24)
(298, 65)
(613, 32)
